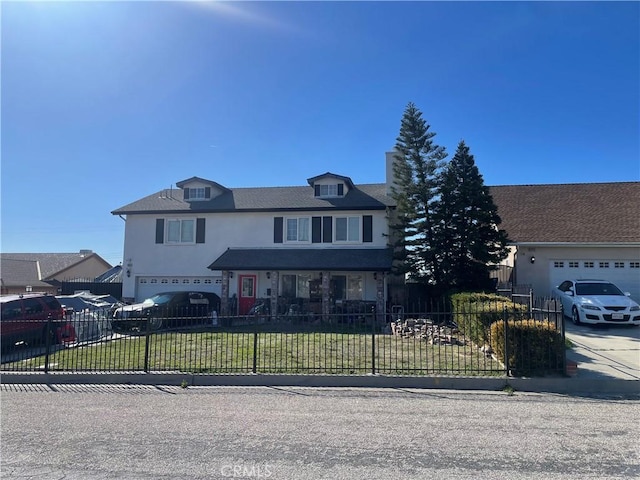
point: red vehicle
(25, 318)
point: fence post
(563, 336)
(146, 346)
(254, 368)
(505, 319)
(47, 342)
(373, 346)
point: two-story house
(321, 245)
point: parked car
(25, 318)
(597, 301)
(166, 310)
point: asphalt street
(148, 432)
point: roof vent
(86, 252)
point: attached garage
(148, 286)
(624, 273)
(571, 231)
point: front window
(298, 229)
(181, 231)
(347, 229)
(295, 286)
(354, 287)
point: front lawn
(268, 352)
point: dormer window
(197, 193)
(330, 185)
(329, 190)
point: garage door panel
(148, 286)
(619, 272)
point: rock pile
(425, 329)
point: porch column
(224, 294)
(274, 294)
(326, 297)
(380, 303)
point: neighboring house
(564, 231)
(43, 272)
(323, 244)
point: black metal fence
(471, 340)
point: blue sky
(104, 103)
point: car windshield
(159, 299)
(597, 289)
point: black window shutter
(200, 224)
(367, 228)
(277, 230)
(316, 229)
(207, 192)
(186, 193)
(159, 230)
(327, 229)
(316, 190)
(341, 189)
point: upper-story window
(347, 229)
(181, 231)
(329, 190)
(298, 229)
(197, 193)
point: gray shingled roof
(363, 197)
(304, 259)
(50, 263)
(563, 213)
(18, 273)
(571, 213)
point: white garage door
(149, 286)
(624, 273)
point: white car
(597, 301)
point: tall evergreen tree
(416, 168)
(467, 235)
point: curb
(571, 386)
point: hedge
(535, 347)
(474, 313)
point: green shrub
(535, 348)
(474, 313)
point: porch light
(532, 259)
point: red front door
(247, 289)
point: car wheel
(155, 324)
(575, 316)
(119, 327)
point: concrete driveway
(609, 351)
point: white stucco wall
(143, 257)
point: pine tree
(467, 237)
(416, 168)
